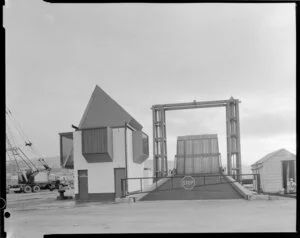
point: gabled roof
(271, 155)
(103, 111)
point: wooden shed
(276, 171)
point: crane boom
(15, 153)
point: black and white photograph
(149, 118)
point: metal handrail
(193, 175)
(125, 192)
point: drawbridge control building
(109, 145)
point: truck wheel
(51, 187)
(36, 188)
(27, 189)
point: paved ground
(210, 187)
(44, 215)
(33, 201)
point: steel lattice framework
(160, 165)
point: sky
(146, 54)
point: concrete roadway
(230, 215)
(214, 187)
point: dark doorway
(292, 169)
(83, 185)
(288, 172)
(284, 172)
(119, 174)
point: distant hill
(246, 169)
(149, 164)
(53, 162)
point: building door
(83, 184)
(292, 170)
(258, 185)
(119, 174)
(284, 174)
(288, 172)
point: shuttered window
(145, 144)
(94, 141)
(140, 146)
(66, 150)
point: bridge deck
(214, 187)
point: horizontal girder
(194, 104)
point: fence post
(141, 184)
(122, 192)
(258, 183)
(156, 185)
(172, 182)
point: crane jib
(15, 153)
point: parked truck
(30, 180)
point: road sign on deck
(188, 182)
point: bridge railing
(130, 186)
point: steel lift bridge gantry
(160, 164)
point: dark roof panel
(103, 111)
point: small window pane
(145, 144)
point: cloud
(195, 121)
(269, 124)
(184, 53)
(254, 148)
(49, 18)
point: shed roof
(271, 155)
(198, 137)
(103, 111)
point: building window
(97, 144)
(94, 141)
(140, 146)
(66, 150)
(145, 144)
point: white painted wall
(271, 172)
(134, 170)
(100, 175)
(119, 145)
(147, 182)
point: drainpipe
(126, 163)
